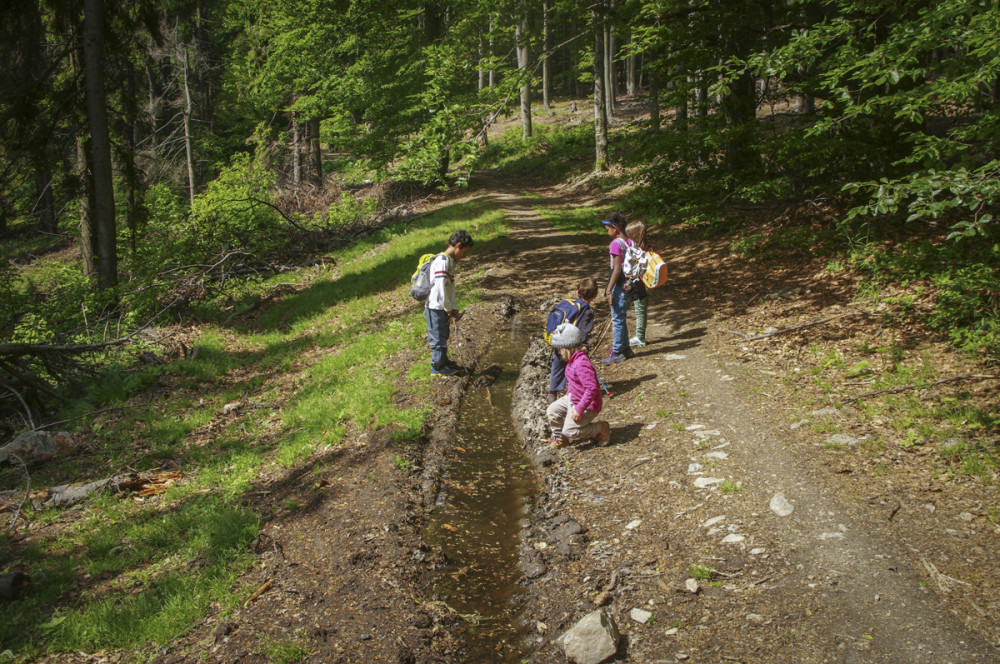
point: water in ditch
(488, 489)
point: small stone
(780, 505)
(722, 456)
(755, 619)
(824, 411)
(965, 516)
(733, 539)
(798, 424)
(757, 551)
(694, 468)
(591, 640)
(633, 524)
(641, 616)
(681, 656)
(841, 439)
(714, 520)
(691, 585)
(671, 631)
(705, 482)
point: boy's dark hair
(587, 288)
(618, 219)
(460, 238)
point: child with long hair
(571, 417)
(636, 232)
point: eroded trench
(487, 492)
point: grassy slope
(316, 364)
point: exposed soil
(886, 556)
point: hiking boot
(444, 371)
(551, 398)
(637, 342)
(556, 442)
(614, 359)
(604, 436)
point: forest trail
(877, 561)
(696, 463)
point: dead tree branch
(27, 490)
(923, 386)
(797, 327)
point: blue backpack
(567, 311)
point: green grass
(317, 362)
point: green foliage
(553, 151)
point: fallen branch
(257, 593)
(796, 327)
(27, 490)
(923, 386)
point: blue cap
(607, 223)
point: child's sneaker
(637, 342)
(556, 442)
(551, 398)
(614, 359)
(444, 371)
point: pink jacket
(582, 385)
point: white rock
(722, 456)
(755, 618)
(780, 505)
(841, 439)
(691, 585)
(757, 551)
(705, 482)
(714, 520)
(633, 524)
(694, 427)
(965, 516)
(824, 411)
(674, 356)
(592, 640)
(733, 539)
(651, 426)
(641, 616)
(711, 432)
(830, 536)
(693, 468)
(671, 631)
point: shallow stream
(488, 489)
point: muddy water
(488, 490)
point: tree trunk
(608, 67)
(546, 80)
(315, 154)
(189, 153)
(88, 235)
(600, 112)
(100, 143)
(630, 71)
(654, 102)
(296, 153)
(46, 202)
(523, 63)
(681, 110)
(482, 72)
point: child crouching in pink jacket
(571, 417)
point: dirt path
(825, 582)
(867, 567)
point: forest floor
(887, 554)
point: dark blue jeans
(557, 376)
(438, 331)
(619, 326)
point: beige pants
(560, 415)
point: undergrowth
(312, 366)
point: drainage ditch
(488, 490)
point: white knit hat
(566, 335)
